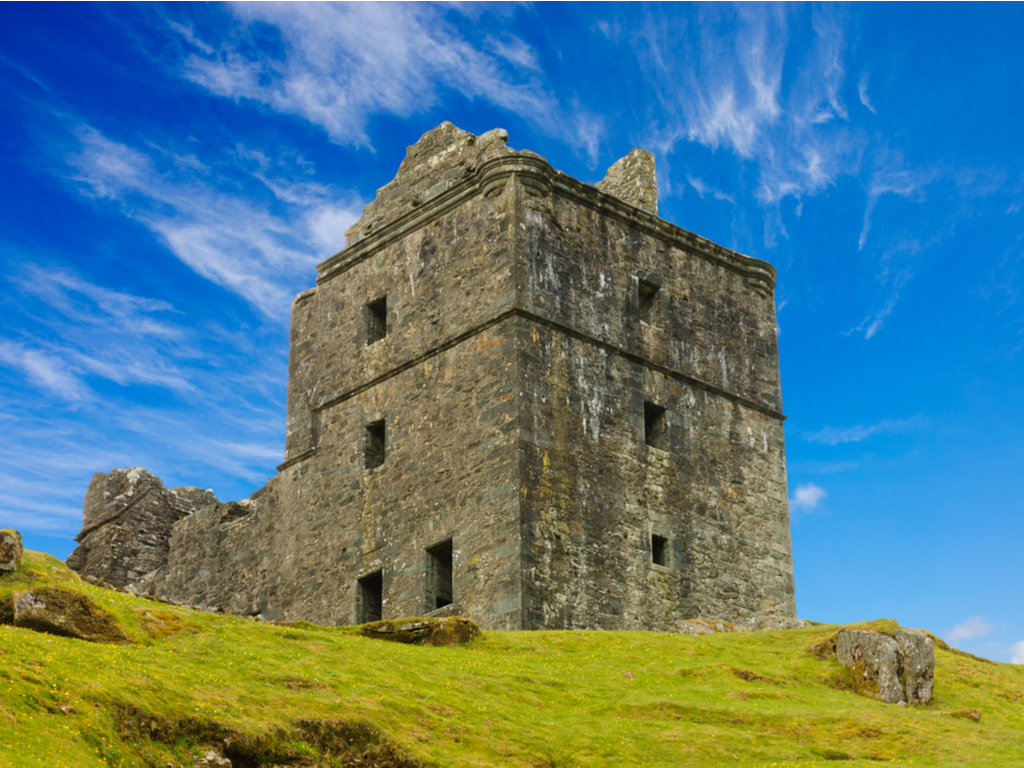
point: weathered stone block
(444, 632)
(918, 664)
(61, 611)
(11, 550)
(895, 670)
(874, 659)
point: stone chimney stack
(633, 180)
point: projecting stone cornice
(538, 178)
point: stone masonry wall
(297, 549)
(507, 324)
(705, 349)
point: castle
(513, 396)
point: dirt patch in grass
(306, 743)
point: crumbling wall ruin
(517, 397)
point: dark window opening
(375, 444)
(655, 426)
(370, 598)
(659, 550)
(439, 576)
(646, 292)
(376, 320)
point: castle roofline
(425, 203)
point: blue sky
(171, 175)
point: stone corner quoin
(512, 396)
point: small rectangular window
(376, 445)
(645, 293)
(655, 426)
(659, 550)
(370, 598)
(376, 320)
(439, 576)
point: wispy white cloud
(724, 88)
(862, 92)
(513, 50)
(837, 436)
(806, 497)
(896, 270)
(1017, 653)
(703, 190)
(892, 176)
(94, 333)
(341, 65)
(47, 371)
(236, 240)
(211, 413)
(972, 628)
(823, 467)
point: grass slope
(305, 695)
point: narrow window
(370, 597)
(646, 292)
(655, 426)
(659, 550)
(375, 444)
(439, 576)
(376, 320)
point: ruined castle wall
(596, 493)
(326, 521)
(703, 347)
(443, 274)
(582, 398)
(582, 265)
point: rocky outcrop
(897, 668)
(60, 611)
(918, 665)
(449, 631)
(11, 550)
(126, 524)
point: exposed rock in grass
(874, 659)
(918, 665)
(700, 626)
(306, 743)
(895, 668)
(7, 609)
(60, 611)
(772, 623)
(449, 631)
(209, 758)
(11, 550)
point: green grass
(305, 695)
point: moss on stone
(448, 631)
(68, 613)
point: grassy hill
(268, 694)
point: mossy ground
(305, 695)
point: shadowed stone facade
(520, 398)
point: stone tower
(520, 398)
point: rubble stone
(12, 551)
(61, 611)
(126, 524)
